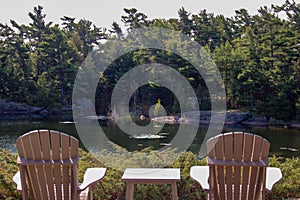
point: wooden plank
(74, 183)
(210, 147)
(248, 146)
(40, 173)
(45, 144)
(210, 144)
(74, 144)
(55, 146)
(265, 149)
(219, 151)
(20, 148)
(174, 191)
(46, 149)
(213, 183)
(69, 161)
(27, 149)
(228, 155)
(23, 169)
(23, 182)
(65, 153)
(265, 154)
(261, 182)
(129, 190)
(256, 153)
(247, 151)
(238, 152)
(219, 148)
(238, 146)
(258, 163)
(260, 185)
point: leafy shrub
(8, 189)
(113, 188)
(289, 185)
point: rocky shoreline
(232, 118)
(12, 110)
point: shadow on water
(284, 141)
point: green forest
(257, 55)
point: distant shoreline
(19, 111)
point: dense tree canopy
(258, 57)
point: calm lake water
(284, 141)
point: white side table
(151, 176)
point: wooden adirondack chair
(48, 167)
(237, 167)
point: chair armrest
(273, 175)
(92, 175)
(201, 175)
(17, 180)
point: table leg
(129, 191)
(174, 191)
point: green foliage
(289, 185)
(257, 56)
(8, 189)
(112, 187)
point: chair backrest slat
(257, 146)
(40, 173)
(238, 156)
(210, 144)
(74, 144)
(219, 154)
(55, 147)
(65, 147)
(46, 149)
(237, 163)
(228, 152)
(24, 146)
(265, 149)
(247, 151)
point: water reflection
(284, 142)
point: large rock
(256, 121)
(236, 117)
(67, 109)
(13, 110)
(232, 117)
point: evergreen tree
(185, 23)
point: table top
(172, 174)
